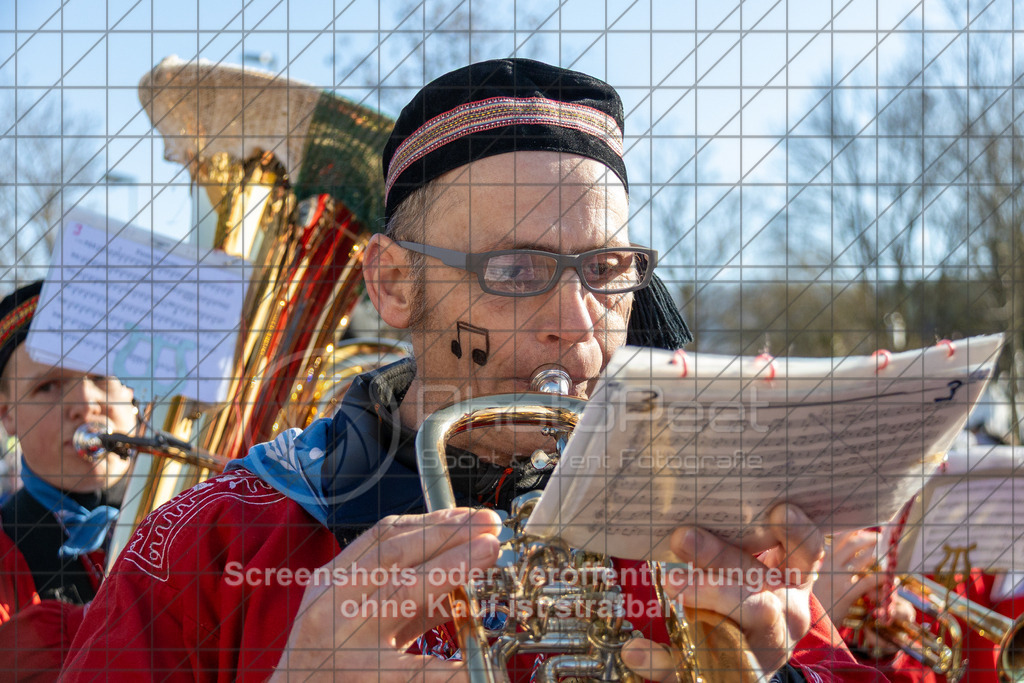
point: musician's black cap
(496, 107)
(512, 105)
(16, 311)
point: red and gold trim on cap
(17, 319)
(498, 112)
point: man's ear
(7, 414)
(389, 282)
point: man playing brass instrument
(506, 250)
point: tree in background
(419, 41)
(921, 211)
(52, 160)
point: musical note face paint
(476, 335)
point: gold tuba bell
(706, 646)
(288, 177)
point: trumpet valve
(540, 459)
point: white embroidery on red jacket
(149, 546)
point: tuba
(705, 646)
(289, 178)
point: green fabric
(343, 158)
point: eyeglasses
(529, 272)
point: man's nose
(567, 314)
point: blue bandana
(86, 529)
(291, 463)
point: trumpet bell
(939, 602)
(1011, 653)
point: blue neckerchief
(86, 529)
(291, 463)
(336, 468)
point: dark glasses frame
(476, 262)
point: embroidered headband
(496, 107)
(16, 311)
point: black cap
(16, 311)
(496, 107)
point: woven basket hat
(326, 143)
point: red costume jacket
(209, 586)
(35, 632)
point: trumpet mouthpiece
(550, 379)
(87, 442)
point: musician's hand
(899, 609)
(772, 614)
(846, 572)
(324, 644)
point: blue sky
(711, 89)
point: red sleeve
(822, 655)
(206, 589)
(35, 642)
(17, 588)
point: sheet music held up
(717, 441)
(160, 315)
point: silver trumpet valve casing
(544, 612)
(503, 588)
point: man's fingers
(410, 540)
(856, 553)
(415, 546)
(770, 628)
(803, 543)
(418, 602)
(402, 668)
(649, 659)
(706, 551)
(422, 670)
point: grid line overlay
(819, 180)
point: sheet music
(970, 513)
(161, 316)
(717, 441)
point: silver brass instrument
(587, 644)
(93, 443)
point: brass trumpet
(936, 600)
(942, 651)
(587, 644)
